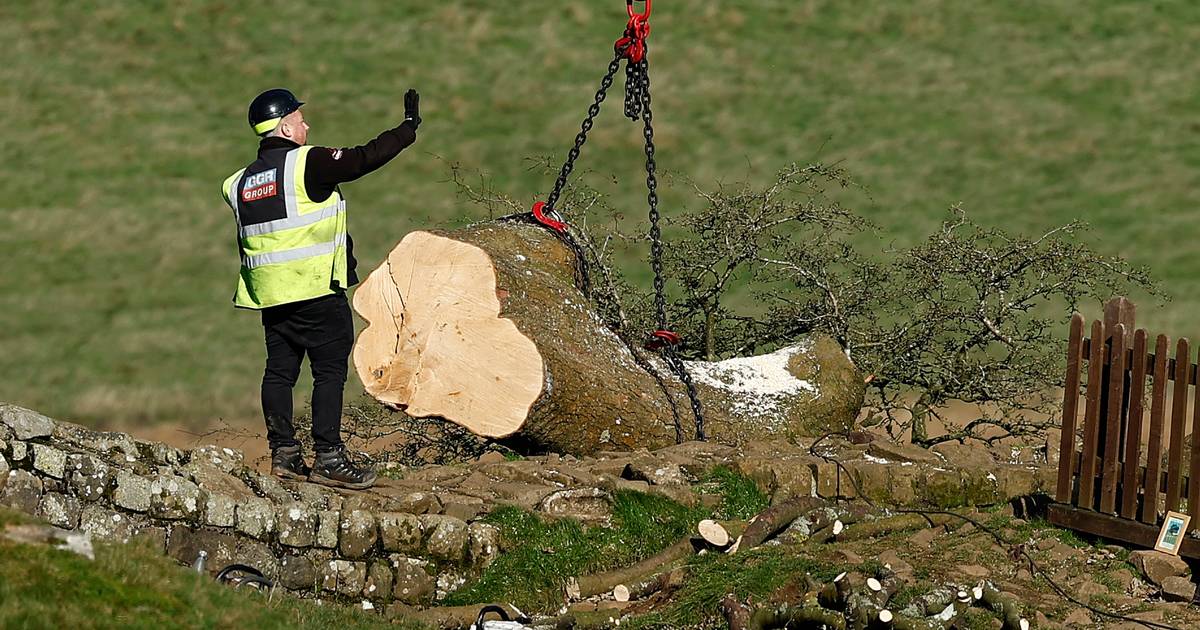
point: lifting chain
(632, 48)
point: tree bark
(483, 326)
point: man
(297, 262)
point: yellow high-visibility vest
(292, 248)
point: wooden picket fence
(1111, 478)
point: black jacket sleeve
(327, 167)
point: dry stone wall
(421, 533)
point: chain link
(638, 82)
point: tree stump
(483, 326)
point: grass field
(120, 119)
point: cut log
(773, 520)
(596, 584)
(720, 534)
(483, 326)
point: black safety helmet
(269, 107)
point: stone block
(256, 518)
(106, 524)
(313, 496)
(132, 492)
(258, 555)
(297, 525)
(344, 577)
(49, 461)
(88, 477)
(328, 522)
(26, 424)
(270, 488)
(416, 503)
(223, 459)
(214, 480)
(1157, 566)
(60, 510)
(400, 532)
(411, 583)
(298, 573)
(357, 534)
(1178, 589)
(465, 511)
(172, 497)
(483, 544)
(18, 452)
(585, 504)
(22, 491)
(379, 581)
(186, 543)
(220, 510)
(445, 537)
(655, 472)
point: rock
(464, 511)
(412, 585)
(925, 537)
(328, 522)
(1157, 566)
(655, 472)
(845, 556)
(344, 577)
(297, 525)
(161, 454)
(270, 488)
(314, 496)
(60, 510)
(258, 555)
(106, 524)
(483, 544)
(88, 477)
(213, 480)
(379, 582)
(223, 459)
(417, 503)
(523, 495)
(298, 573)
(26, 424)
(132, 492)
(172, 497)
(445, 536)
(22, 491)
(400, 532)
(971, 571)
(4, 470)
(678, 494)
(491, 457)
(898, 565)
(895, 452)
(49, 461)
(970, 454)
(1079, 618)
(220, 510)
(585, 504)
(186, 543)
(256, 518)
(358, 533)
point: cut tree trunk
(483, 326)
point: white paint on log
(758, 385)
(435, 344)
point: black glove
(412, 107)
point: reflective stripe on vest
(294, 258)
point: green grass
(121, 119)
(741, 498)
(539, 556)
(131, 586)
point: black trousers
(323, 329)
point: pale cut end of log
(1024, 624)
(947, 613)
(885, 616)
(964, 597)
(977, 593)
(713, 533)
(573, 589)
(621, 593)
(435, 344)
(734, 547)
(874, 585)
(838, 527)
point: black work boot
(334, 468)
(287, 462)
